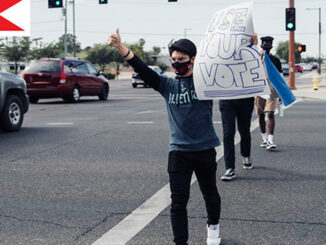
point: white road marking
(145, 122)
(60, 124)
(131, 225)
(144, 112)
(217, 122)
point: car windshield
(45, 66)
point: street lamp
(319, 59)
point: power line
(164, 2)
(175, 34)
(47, 21)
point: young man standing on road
(268, 105)
(192, 136)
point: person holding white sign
(240, 111)
(192, 136)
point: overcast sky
(158, 21)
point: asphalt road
(74, 171)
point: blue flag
(278, 82)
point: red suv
(65, 78)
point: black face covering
(181, 68)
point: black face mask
(267, 47)
(181, 68)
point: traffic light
(290, 19)
(102, 1)
(55, 3)
(301, 48)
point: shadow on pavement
(263, 173)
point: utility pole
(74, 29)
(319, 26)
(187, 29)
(64, 10)
(291, 55)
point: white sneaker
(263, 144)
(213, 235)
(229, 174)
(270, 145)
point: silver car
(285, 69)
(136, 80)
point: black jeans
(181, 165)
(232, 110)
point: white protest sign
(227, 66)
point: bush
(109, 75)
(163, 66)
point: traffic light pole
(65, 14)
(74, 29)
(291, 55)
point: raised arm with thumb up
(115, 41)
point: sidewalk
(310, 93)
(307, 92)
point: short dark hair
(267, 38)
(185, 46)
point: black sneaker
(246, 163)
(229, 174)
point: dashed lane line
(60, 124)
(144, 122)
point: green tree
(147, 55)
(310, 60)
(282, 51)
(138, 48)
(118, 60)
(70, 43)
(45, 50)
(100, 54)
(16, 50)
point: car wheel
(134, 85)
(12, 116)
(75, 95)
(33, 100)
(105, 93)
